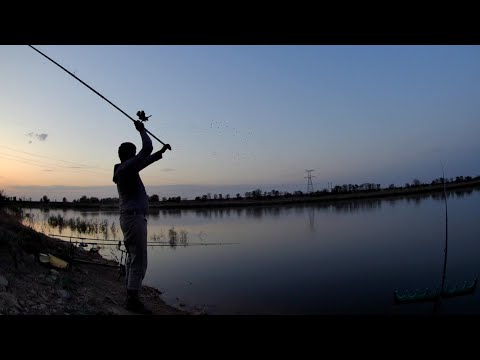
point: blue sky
(238, 116)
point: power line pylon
(309, 181)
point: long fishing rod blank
(115, 242)
(140, 114)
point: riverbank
(269, 200)
(30, 287)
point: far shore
(264, 201)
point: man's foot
(135, 305)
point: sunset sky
(237, 117)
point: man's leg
(135, 231)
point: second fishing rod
(112, 242)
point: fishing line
(96, 92)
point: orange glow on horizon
(20, 174)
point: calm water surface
(344, 258)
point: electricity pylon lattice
(309, 181)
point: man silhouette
(133, 212)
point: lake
(337, 258)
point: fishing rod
(154, 243)
(437, 295)
(442, 286)
(150, 244)
(140, 114)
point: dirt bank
(30, 287)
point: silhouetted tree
(154, 198)
(257, 193)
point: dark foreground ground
(30, 287)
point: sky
(237, 117)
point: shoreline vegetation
(259, 198)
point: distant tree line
(258, 194)
(94, 200)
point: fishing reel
(141, 115)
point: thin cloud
(167, 169)
(40, 137)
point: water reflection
(324, 258)
(257, 212)
(311, 218)
(348, 206)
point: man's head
(126, 151)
